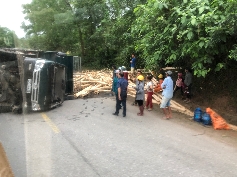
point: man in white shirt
(167, 95)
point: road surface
(83, 139)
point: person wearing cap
(115, 82)
(140, 94)
(114, 86)
(179, 84)
(167, 95)
(158, 88)
(122, 94)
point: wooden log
(94, 82)
(101, 90)
(156, 98)
(83, 92)
(130, 94)
(105, 88)
(81, 85)
(175, 106)
(156, 101)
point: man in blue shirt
(167, 95)
(122, 94)
(133, 64)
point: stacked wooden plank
(94, 82)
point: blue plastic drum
(197, 115)
(206, 119)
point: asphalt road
(83, 139)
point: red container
(125, 75)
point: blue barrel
(206, 119)
(198, 115)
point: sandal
(139, 114)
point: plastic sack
(217, 121)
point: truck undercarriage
(29, 82)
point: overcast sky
(11, 15)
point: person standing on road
(140, 94)
(115, 83)
(113, 77)
(115, 88)
(139, 73)
(149, 91)
(133, 64)
(122, 94)
(167, 95)
(188, 84)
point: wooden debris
(94, 82)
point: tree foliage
(97, 30)
(6, 37)
(197, 33)
(51, 26)
(200, 34)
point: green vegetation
(6, 37)
(200, 34)
(197, 33)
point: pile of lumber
(94, 82)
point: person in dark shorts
(139, 73)
(140, 94)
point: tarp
(217, 121)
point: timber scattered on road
(94, 82)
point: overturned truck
(34, 80)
